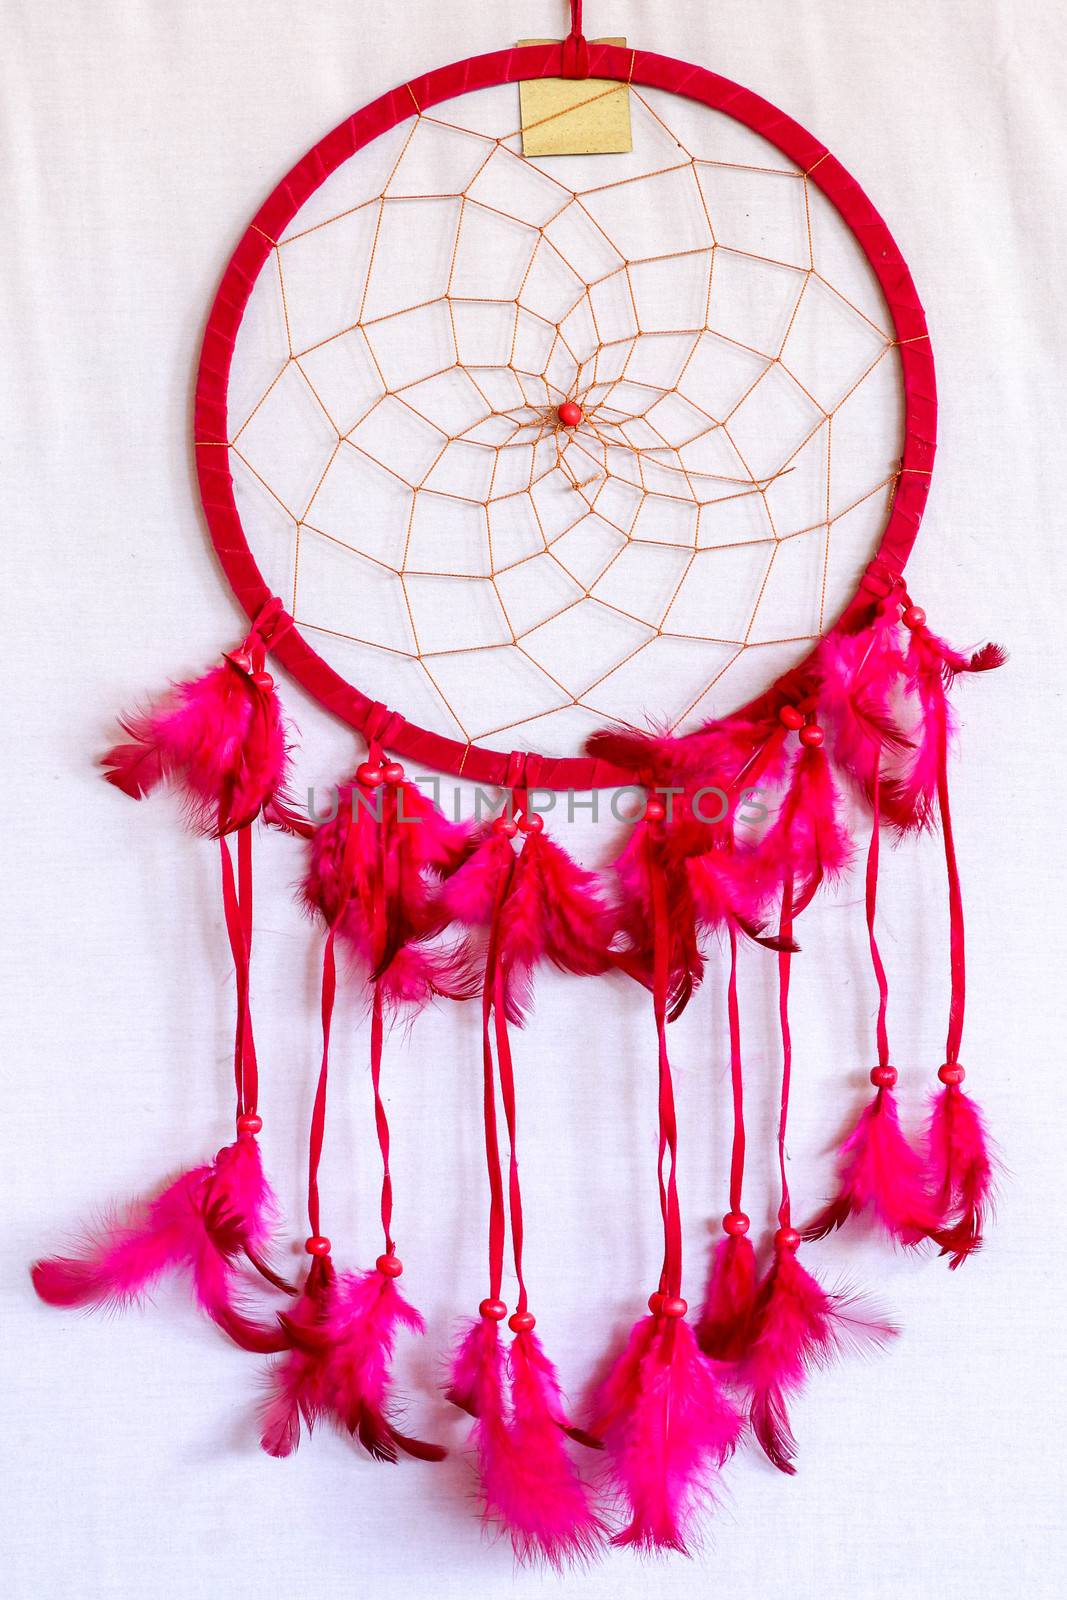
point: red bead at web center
(570, 413)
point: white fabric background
(136, 140)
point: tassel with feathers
(960, 1169)
(880, 1173)
(221, 738)
(373, 873)
(340, 1338)
(668, 1428)
(798, 1325)
(530, 1488)
(201, 1224)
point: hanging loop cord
(575, 46)
(786, 1237)
(670, 1283)
(737, 1153)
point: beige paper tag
(574, 116)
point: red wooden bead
(249, 1123)
(532, 822)
(812, 736)
(790, 717)
(241, 660)
(655, 810)
(370, 777)
(493, 1310)
(389, 1266)
(263, 681)
(884, 1077)
(914, 617)
(570, 413)
(317, 1245)
(507, 826)
(655, 1302)
(522, 1322)
(735, 1223)
(950, 1073)
(786, 1239)
(674, 1306)
(393, 772)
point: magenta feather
(961, 1172)
(199, 1225)
(220, 737)
(879, 1172)
(861, 674)
(726, 1321)
(342, 1336)
(807, 843)
(553, 911)
(909, 798)
(530, 1487)
(797, 1325)
(395, 845)
(668, 1428)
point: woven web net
(445, 542)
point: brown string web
(445, 541)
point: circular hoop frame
(211, 435)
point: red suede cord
(871, 896)
(785, 960)
(671, 1275)
(737, 1154)
(957, 940)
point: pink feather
(342, 1336)
(725, 1327)
(530, 1488)
(553, 911)
(861, 674)
(961, 1173)
(879, 1172)
(397, 845)
(807, 842)
(636, 957)
(668, 1428)
(220, 737)
(199, 1224)
(798, 1325)
(910, 796)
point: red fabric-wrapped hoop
(434, 751)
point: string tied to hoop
(576, 46)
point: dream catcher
(566, 440)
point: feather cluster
(880, 1173)
(725, 1327)
(221, 738)
(668, 1427)
(797, 1325)
(543, 905)
(530, 1488)
(374, 872)
(199, 1225)
(960, 1172)
(340, 1338)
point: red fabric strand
(737, 1155)
(871, 903)
(785, 962)
(957, 950)
(671, 1279)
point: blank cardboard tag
(574, 116)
